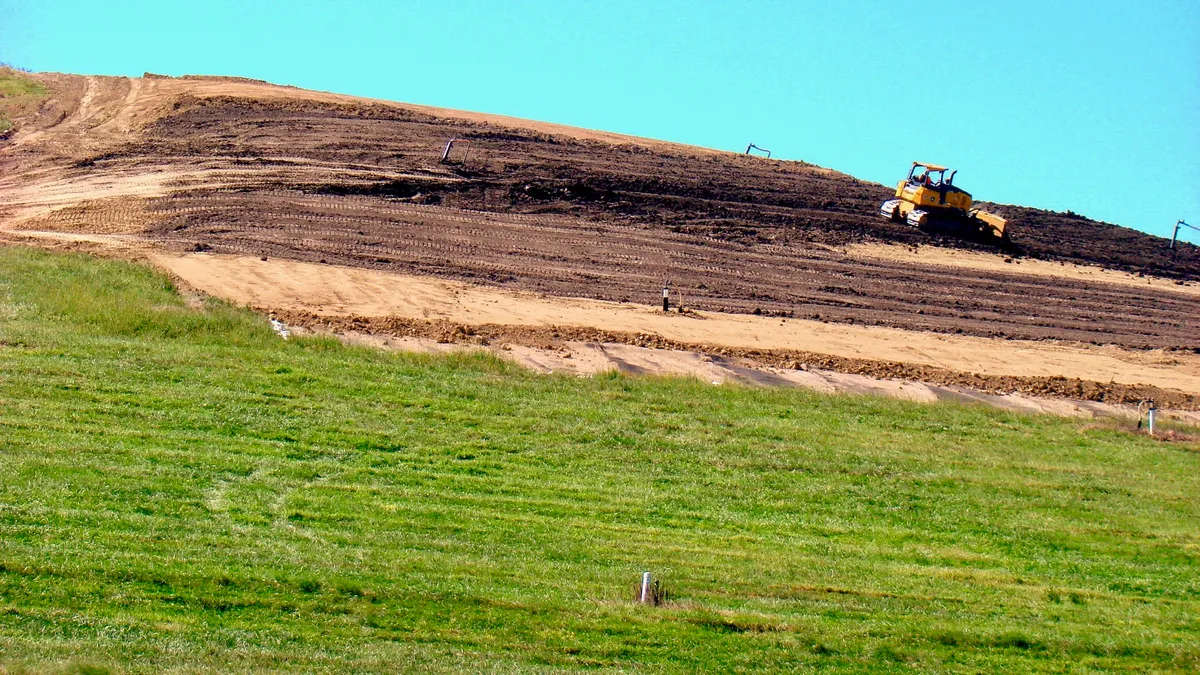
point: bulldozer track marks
(561, 255)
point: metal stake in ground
(456, 142)
(666, 297)
(1150, 411)
(1175, 234)
(755, 147)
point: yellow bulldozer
(928, 200)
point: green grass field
(180, 490)
(17, 93)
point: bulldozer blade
(990, 221)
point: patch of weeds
(1016, 641)
(820, 649)
(718, 623)
(371, 445)
(318, 343)
(950, 638)
(351, 588)
(890, 653)
(1076, 598)
(308, 585)
(737, 625)
(220, 606)
(1054, 596)
(18, 95)
(88, 669)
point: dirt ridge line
(550, 337)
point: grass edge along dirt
(17, 93)
(182, 491)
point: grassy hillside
(181, 490)
(17, 95)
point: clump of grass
(891, 653)
(1016, 640)
(821, 649)
(348, 587)
(950, 638)
(85, 668)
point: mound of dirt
(1071, 237)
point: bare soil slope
(235, 166)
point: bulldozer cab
(930, 174)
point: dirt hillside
(233, 166)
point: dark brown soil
(726, 196)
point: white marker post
(1150, 417)
(645, 588)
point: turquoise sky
(1088, 106)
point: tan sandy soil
(975, 260)
(585, 358)
(343, 291)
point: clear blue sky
(1092, 106)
